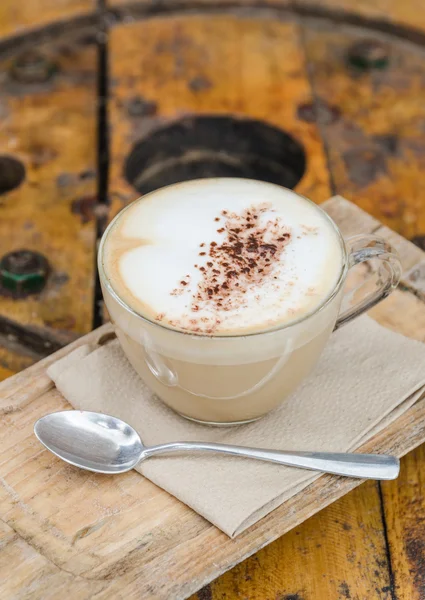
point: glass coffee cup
(235, 379)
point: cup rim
(326, 301)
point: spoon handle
(361, 466)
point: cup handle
(388, 272)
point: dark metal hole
(215, 146)
(12, 174)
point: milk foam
(222, 257)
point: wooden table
(341, 77)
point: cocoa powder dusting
(242, 261)
(245, 258)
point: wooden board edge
(19, 389)
(304, 505)
(24, 387)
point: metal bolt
(32, 67)
(139, 107)
(368, 54)
(199, 84)
(23, 272)
(84, 207)
(318, 112)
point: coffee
(223, 292)
(223, 257)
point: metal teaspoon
(105, 444)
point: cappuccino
(223, 293)
(223, 257)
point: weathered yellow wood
(318, 560)
(339, 553)
(371, 105)
(124, 536)
(385, 103)
(19, 18)
(241, 59)
(224, 44)
(375, 144)
(51, 129)
(12, 362)
(404, 509)
(408, 14)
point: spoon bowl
(90, 440)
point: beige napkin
(366, 378)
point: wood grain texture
(339, 553)
(376, 110)
(51, 129)
(404, 510)
(157, 61)
(393, 194)
(408, 14)
(125, 536)
(317, 560)
(12, 362)
(375, 145)
(19, 18)
(128, 7)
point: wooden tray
(83, 535)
